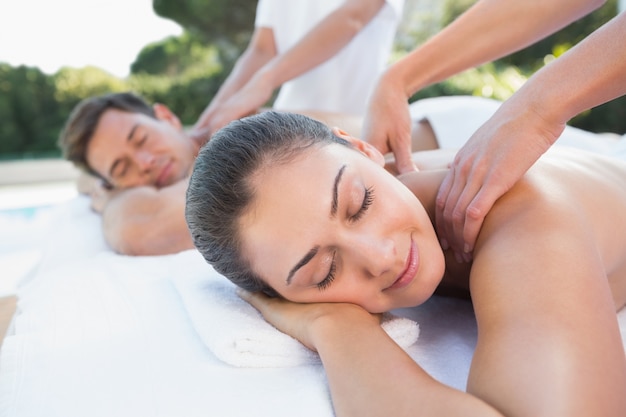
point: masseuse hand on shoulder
(524, 127)
(495, 157)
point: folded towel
(237, 333)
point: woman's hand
(486, 167)
(307, 322)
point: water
(26, 216)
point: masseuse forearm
(489, 30)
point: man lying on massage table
(140, 157)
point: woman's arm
(488, 30)
(368, 373)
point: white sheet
(102, 334)
(99, 334)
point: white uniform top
(343, 83)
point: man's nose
(144, 160)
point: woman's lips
(410, 269)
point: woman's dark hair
(221, 188)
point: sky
(50, 34)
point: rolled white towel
(237, 333)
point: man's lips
(410, 269)
(163, 176)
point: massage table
(101, 334)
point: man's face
(133, 149)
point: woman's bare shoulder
(567, 194)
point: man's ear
(162, 112)
(365, 148)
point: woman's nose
(375, 255)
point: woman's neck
(425, 185)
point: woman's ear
(365, 148)
(162, 112)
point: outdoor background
(184, 70)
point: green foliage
(227, 23)
(186, 94)
(34, 106)
(29, 112)
(176, 55)
(490, 80)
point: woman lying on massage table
(280, 204)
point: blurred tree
(186, 94)
(175, 55)
(29, 113)
(72, 84)
(227, 24)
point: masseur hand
(252, 96)
(387, 124)
(490, 163)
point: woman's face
(334, 226)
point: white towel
(237, 333)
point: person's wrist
(395, 79)
(337, 320)
(539, 108)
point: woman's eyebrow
(335, 203)
(305, 260)
(333, 211)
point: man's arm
(147, 221)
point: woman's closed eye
(368, 199)
(330, 277)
